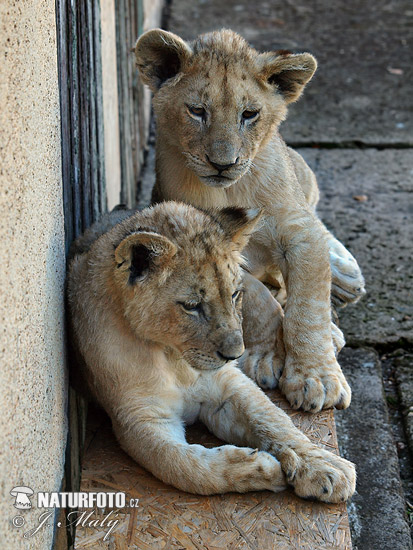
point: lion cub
(218, 105)
(155, 310)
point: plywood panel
(170, 519)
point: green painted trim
(140, 17)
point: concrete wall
(32, 374)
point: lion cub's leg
(160, 446)
(242, 414)
(263, 359)
(347, 279)
(277, 289)
(264, 356)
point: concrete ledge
(377, 510)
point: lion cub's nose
(222, 167)
(232, 347)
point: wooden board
(173, 520)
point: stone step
(377, 511)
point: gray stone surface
(378, 231)
(363, 88)
(377, 510)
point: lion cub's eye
(197, 112)
(249, 115)
(191, 307)
(236, 295)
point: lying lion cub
(218, 105)
(155, 308)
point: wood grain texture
(173, 520)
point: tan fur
(218, 105)
(155, 362)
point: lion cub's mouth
(202, 361)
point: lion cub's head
(218, 99)
(176, 272)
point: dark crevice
(351, 144)
(384, 348)
(399, 428)
(166, 13)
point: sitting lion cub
(155, 310)
(218, 105)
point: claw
(315, 388)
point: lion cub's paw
(315, 388)
(316, 473)
(263, 367)
(250, 469)
(347, 279)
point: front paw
(247, 469)
(316, 473)
(347, 280)
(263, 366)
(315, 388)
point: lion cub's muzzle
(223, 174)
(229, 348)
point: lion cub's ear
(160, 56)
(288, 72)
(143, 251)
(238, 223)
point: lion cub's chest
(191, 412)
(203, 389)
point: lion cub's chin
(205, 363)
(208, 367)
(218, 181)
